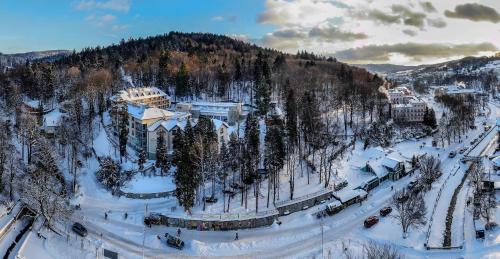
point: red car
(370, 221)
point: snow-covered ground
(299, 235)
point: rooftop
(137, 94)
(142, 112)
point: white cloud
(352, 24)
(217, 19)
(100, 20)
(114, 5)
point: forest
(324, 101)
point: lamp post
(322, 238)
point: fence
(304, 202)
(215, 222)
(145, 196)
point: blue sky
(355, 31)
(28, 25)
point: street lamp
(322, 238)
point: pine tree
(291, 117)
(186, 179)
(161, 153)
(252, 135)
(142, 159)
(123, 132)
(182, 81)
(163, 72)
(274, 156)
(430, 118)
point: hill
(385, 68)
(17, 58)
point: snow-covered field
(299, 235)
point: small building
(383, 165)
(496, 163)
(228, 112)
(348, 197)
(52, 121)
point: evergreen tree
(291, 117)
(430, 118)
(161, 153)
(142, 159)
(163, 72)
(274, 156)
(224, 166)
(123, 132)
(186, 180)
(252, 135)
(182, 81)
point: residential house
(52, 121)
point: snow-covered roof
(334, 204)
(53, 118)
(215, 104)
(137, 94)
(369, 154)
(391, 162)
(142, 112)
(347, 195)
(491, 177)
(496, 161)
(218, 124)
(179, 119)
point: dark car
(385, 211)
(79, 229)
(370, 221)
(153, 219)
(210, 199)
(174, 241)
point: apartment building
(150, 96)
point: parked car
(462, 150)
(452, 154)
(210, 199)
(153, 219)
(484, 123)
(385, 211)
(79, 229)
(473, 127)
(370, 221)
(174, 241)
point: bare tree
(429, 168)
(475, 175)
(372, 250)
(43, 188)
(411, 210)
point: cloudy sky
(355, 31)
